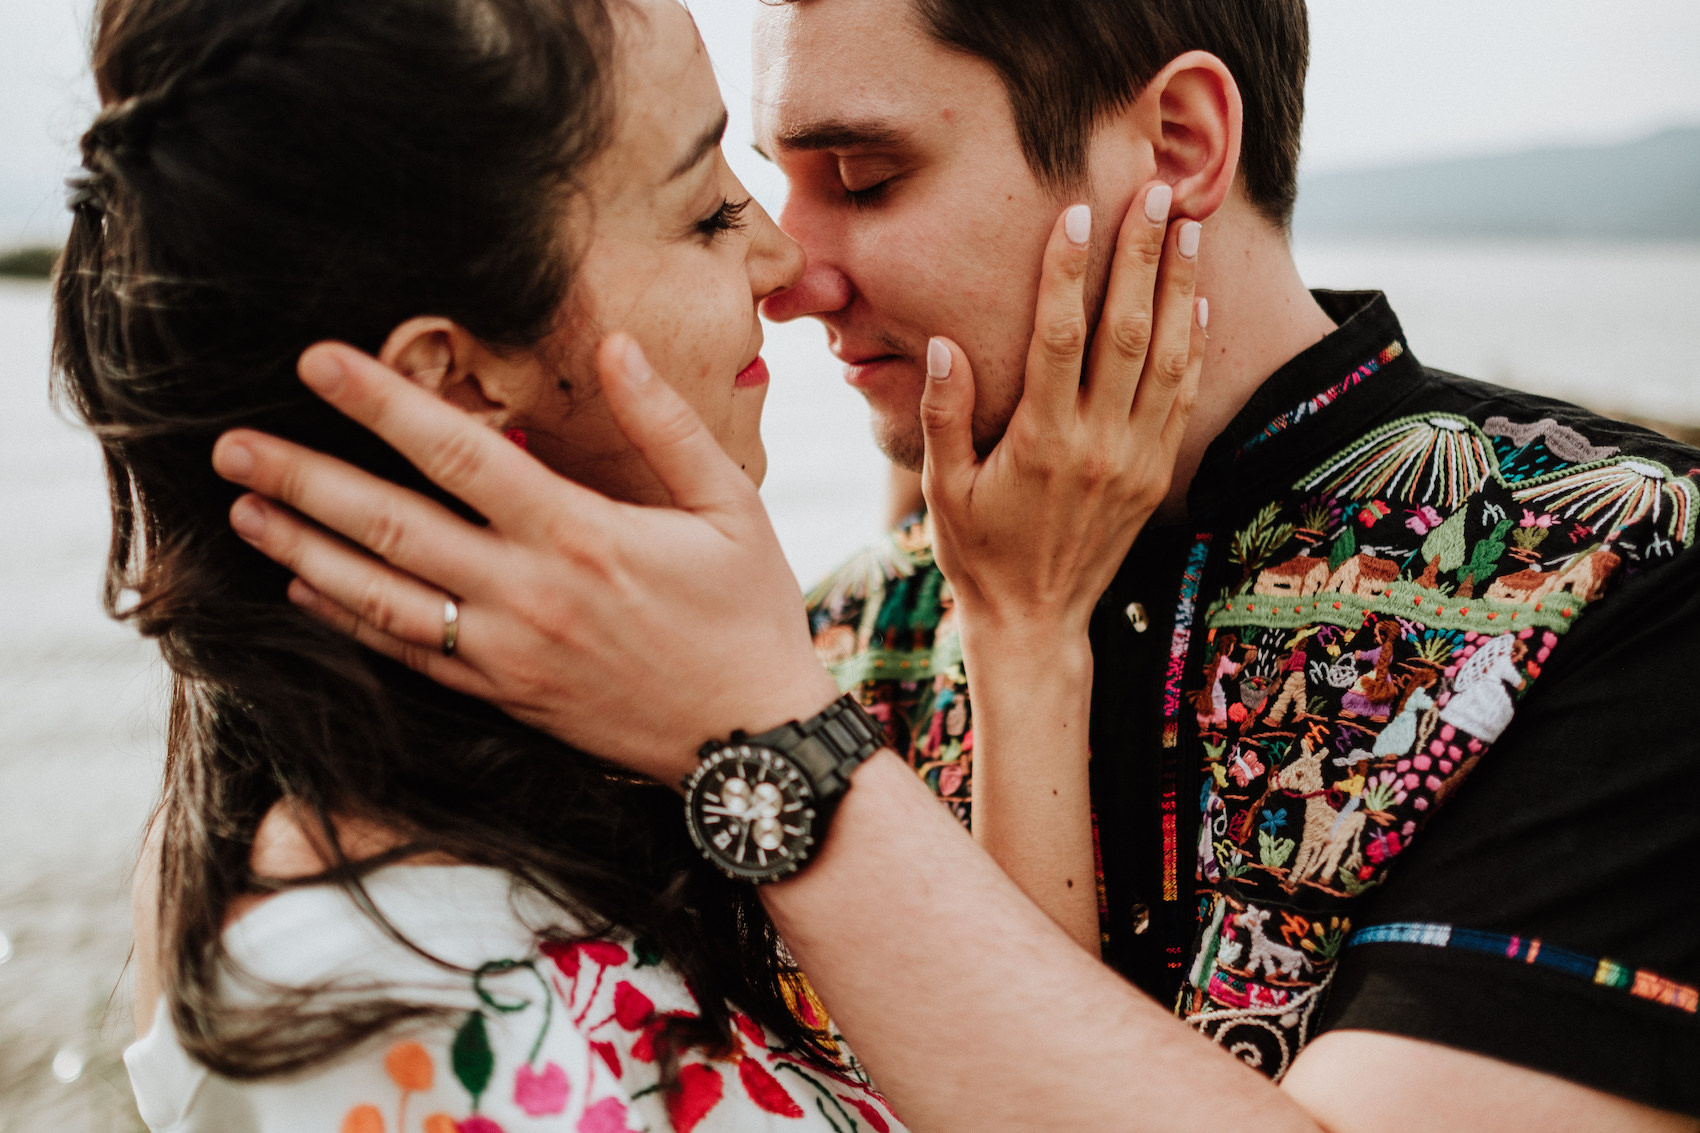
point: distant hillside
(1642, 190)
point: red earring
(517, 436)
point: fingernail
(322, 371)
(1157, 203)
(637, 367)
(1077, 222)
(233, 460)
(248, 519)
(938, 360)
(1191, 231)
(1203, 313)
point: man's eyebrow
(705, 145)
(830, 135)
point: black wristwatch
(758, 805)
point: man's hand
(570, 604)
(1032, 535)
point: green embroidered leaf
(473, 1061)
(1344, 548)
(648, 952)
(1273, 851)
(1446, 542)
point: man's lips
(862, 371)
(755, 374)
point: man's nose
(824, 288)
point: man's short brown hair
(1067, 63)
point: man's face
(910, 192)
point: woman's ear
(441, 356)
(1194, 112)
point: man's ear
(442, 356)
(1194, 113)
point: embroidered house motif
(1387, 615)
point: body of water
(81, 700)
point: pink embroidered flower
(479, 1124)
(540, 1093)
(606, 1116)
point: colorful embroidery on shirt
(1327, 397)
(884, 625)
(1528, 950)
(1388, 614)
(1376, 628)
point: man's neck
(1261, 317)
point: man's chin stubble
(904, 447)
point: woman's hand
(1031, 536)
(633, 632)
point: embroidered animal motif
(1480, 704)
(1365, 576)
(1328, 834)
(1276, 960)
(1400, 736)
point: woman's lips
(755, 374)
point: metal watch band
(829, 746)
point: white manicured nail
(638, 369)
(1157, 203)
(1077, 222)
(1188, 241)
(938, 360)
(1203, 314)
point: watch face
(751, 812)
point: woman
(379, 905)
(258, 175)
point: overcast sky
(1390, 80)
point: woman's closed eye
(729, 217)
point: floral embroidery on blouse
(512, 1058)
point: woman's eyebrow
(705, 145)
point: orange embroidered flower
(409, 1066)
(363, 1119)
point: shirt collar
(1316, 397)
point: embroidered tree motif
(1253, 546)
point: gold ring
(451, 626)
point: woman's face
(670, 249)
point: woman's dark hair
(266, 174)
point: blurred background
(1521, 176)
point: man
(1390, 796)
(1297, 639)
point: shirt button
(1141, 920)
(1136, 617)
